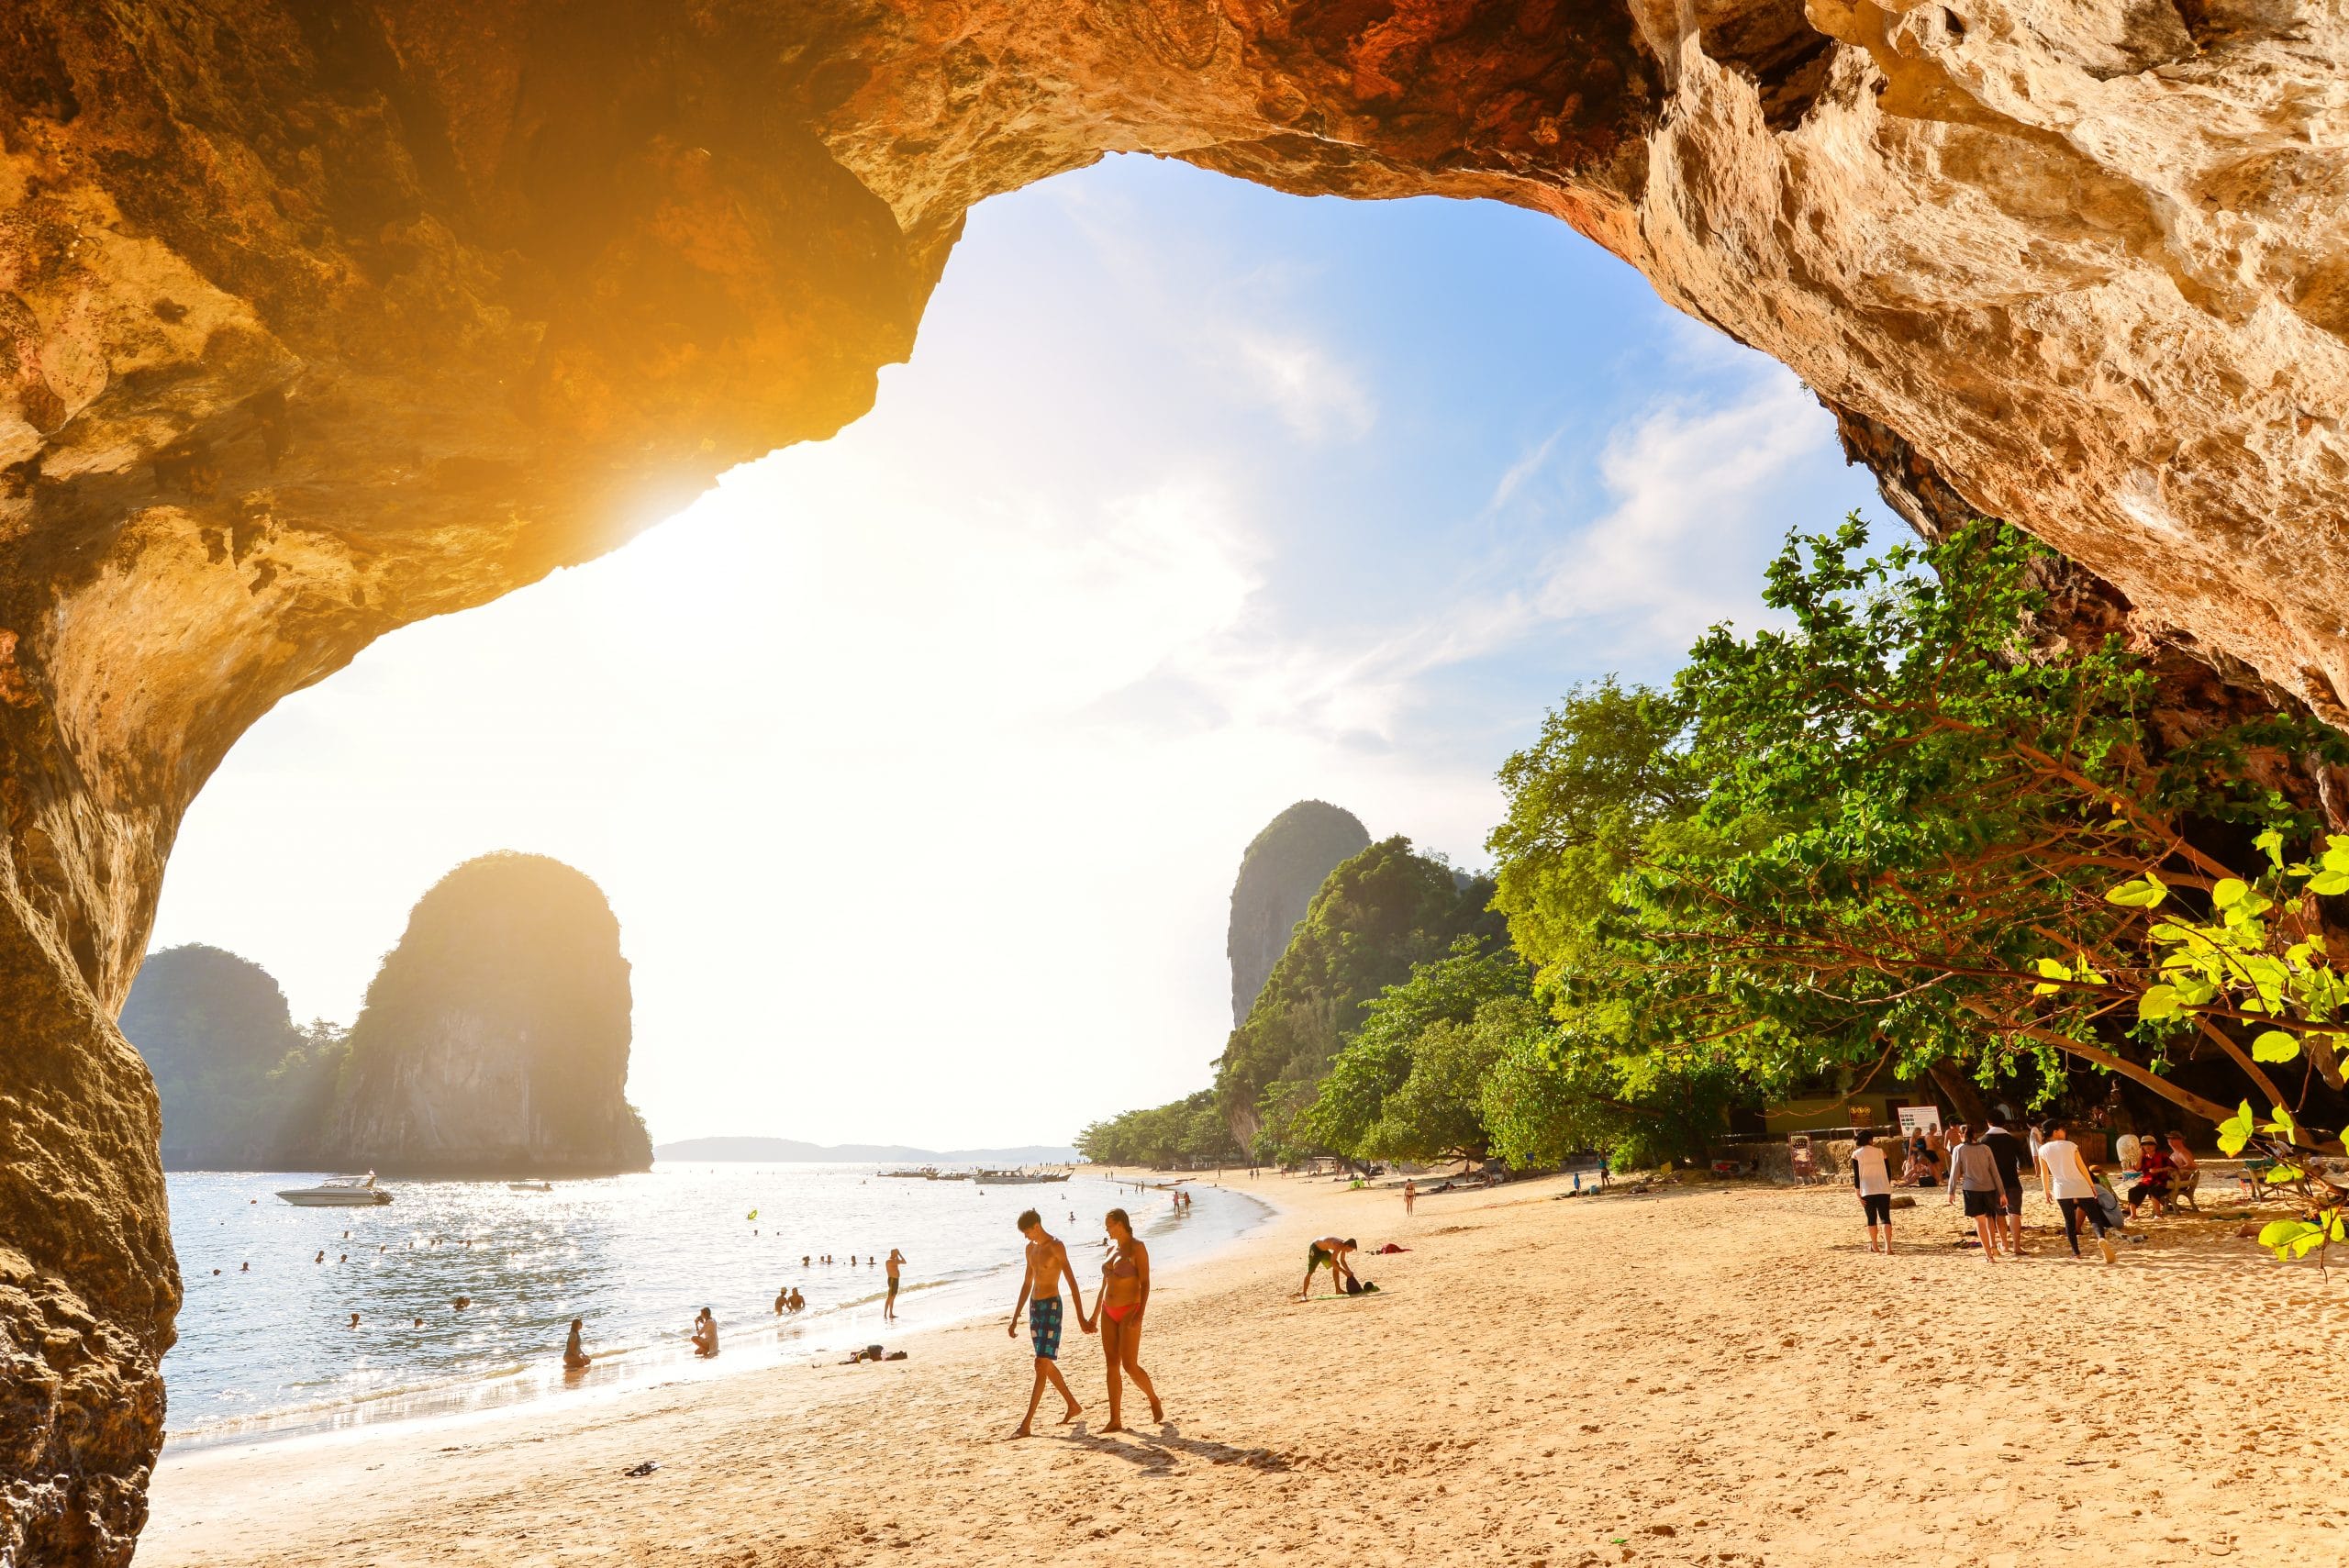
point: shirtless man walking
(1040, 1292)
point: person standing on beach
(1125, 1291)
(1412, 1193)
(1974, 1172)
(889, 1306)
(2008, 1152)
(1873, 1178)
(2065, 1180)
(1040, 1292)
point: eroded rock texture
(317, 318)
(1282, 868)
(496, 1037)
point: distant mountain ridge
(791, 1149)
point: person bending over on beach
(2064, 1179)
(1333, 1250)
(1873, 1178)
(705, 1334)
(889, 1306)
(1040, 1292)
(574, 1356)
(1125, 1291)
(1974, 1172)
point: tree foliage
(1186, 1134)
(1379, 913)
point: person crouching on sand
(1125, 1290)
(575, 1357)
(1333, 1250)
(1873, 1177)
(1040, 1292)
(705, 1334)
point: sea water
(268, 1350)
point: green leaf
(2274, 1045)
(2235, 1132)
(2271, 844)
(2054, 968)
(2336, 860)
(2158, 1002)
(2329, 883)
(2281, 1232)
(2229, 891)
(2139, 892)
(2284, 1173)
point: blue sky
(923, 758)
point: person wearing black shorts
(1873, 1178)
(1974, 1172)
(2011, 1155)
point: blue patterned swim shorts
(1044, 1327)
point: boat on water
(1020, 1178)
(530, 1187)
(949, 1175)
(339, 1192)
(926, 1173)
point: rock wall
(495, 1039)
(1282, 869)
(211, 1027)
(317, 319)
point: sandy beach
(1706, 1375)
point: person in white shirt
(2064, 1177)
(1873, 1177)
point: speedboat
(339, 1192)
(1018, 1178)
(530, 1187)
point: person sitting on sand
(705, 1334)
(1872, 1177)
(889, 1306)
(2153, 1176)
(1333, 1250)
(1040, 1292)
(575, 1357)
(1125, 1291)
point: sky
(917, 764)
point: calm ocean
(268, 1352)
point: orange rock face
(318, 318)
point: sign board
(1919, 1118)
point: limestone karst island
(1506, 785)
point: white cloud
(1696, 487)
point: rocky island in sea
(494, 1042)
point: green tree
(1436, 1112)
(1957, 811)
(1384, 1053)
(1378, 914)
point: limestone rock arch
(318, 316)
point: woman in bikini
(1125, 1291)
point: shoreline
(629, 1371)
(1715, 1374)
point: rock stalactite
(318, 318)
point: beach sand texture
(1705, 1376)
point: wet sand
(1701, 1375)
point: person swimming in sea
(1125, 1291)
(574, 1357)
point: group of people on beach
(1125, 1291)
(1982, 1164)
